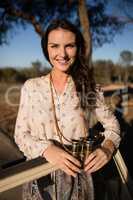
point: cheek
(51, 53)
(72, 52)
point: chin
(64, 68)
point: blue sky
(123, 41)
(24, 48)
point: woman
(54, 111)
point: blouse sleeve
(31, 146)
(107, 119)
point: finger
(72, 166)
(90, 157)
(91, 164)
(72, 159)
(68, 171)
(99, 162)
(98, 152)
(96, 167)
(101, 155)
(95, 160)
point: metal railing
(124, 174)
(24, 172)
(36, 168)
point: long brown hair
(80, 72)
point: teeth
(62, 61)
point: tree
(85, 23)
(37, 67)
(126, 58)
(126, 7)
(8, 74)
(103, 70)
(39, 12)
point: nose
(62, 52)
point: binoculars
(82, 148)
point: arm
(109, 122)
(101, 156)
(62, 159)
(31, 147)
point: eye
(71, 45)
(54, 46)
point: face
(62, 49)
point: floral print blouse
(35, 124)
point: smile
(63, 62)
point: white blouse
(35, 124)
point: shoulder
(35, 83)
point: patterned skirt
(60, 186)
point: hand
(97, 159)
(64, 160)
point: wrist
(44, 154)
(108, 147)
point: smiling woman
(61, 49)
(53, 119)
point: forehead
(60, 35)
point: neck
(59, 76)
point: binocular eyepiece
(82, 148)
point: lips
(63, 62)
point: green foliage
(26, 73)
(126, 57)
(127, 7)
(101, 71)
(130, 72)
(105, 72)
(37, 67)
(8, 74)
(20, 75)
(104, 26)
(40, 12)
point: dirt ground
(14, 194)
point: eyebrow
(51, 43)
